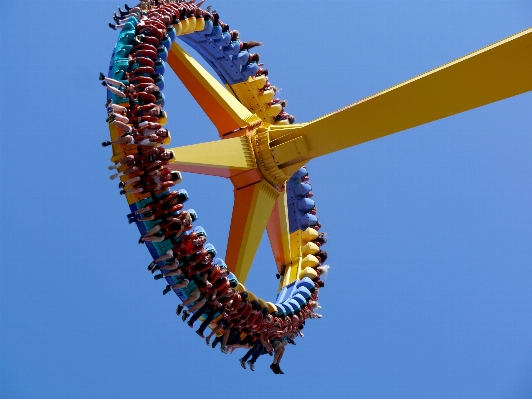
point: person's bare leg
(197, 305)
(134, 191)
(177, 272)
(191, 299)
(153, 230)
(226, 337)
(181, 284)
(125, 128)
(214, 332)
(154, 239)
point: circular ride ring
(272, 191)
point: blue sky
(430, 229)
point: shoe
(121, 184)
(251, 365)
(122, 13)
(155, 269)
(179, 309)
(110, 118)
(109, 102)
(274, 368)
(102, 77)
(223, 350)
(199, 333)
(207, 341)
(279, 371)
(104, 83)
(150, 266)
(116, 18)
(106, 143)
(215, 342)
(141, 237)
(114, 167)
(158, 276)
(186, 313)
(112, 26)
(132, 220)
(167, 290)
(127, 7)
(242, 363)
(122, 192)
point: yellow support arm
(496, 72)
(224, 110)
(251, 212)
(278, 232)
(224, 158)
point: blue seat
(305, 204)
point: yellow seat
(310, 260)
(266, 96)
(178, 29)
(309, 249)
(200, 24)
(308, 272)
(257, 82)
(251, 296)
(273, 110)
(184, 26)
(191, 24)
(262, 302)
(271, 307)
(309, 234)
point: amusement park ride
(264, 158)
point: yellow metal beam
(279, 232)
(224, 158)
(251, 212)
(225, 112)
(496, 72)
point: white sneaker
(251, 365)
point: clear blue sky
(430, 230)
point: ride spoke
(251, 212)
(279, 233)
(224, 110)
(224, 158)
(493, 73)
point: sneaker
(198, 332)
(121, 184)
(102, 77)
(242, 363)
(207, 341)
(112, 26)
(179, 309)
(185, 315)
(150, 266)
(106, 143)
(132, 220)
(274, 368)
(251, 365)
(109, 102)
(158, 276)
(279, 371)
(123, 192)
(167, 290)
